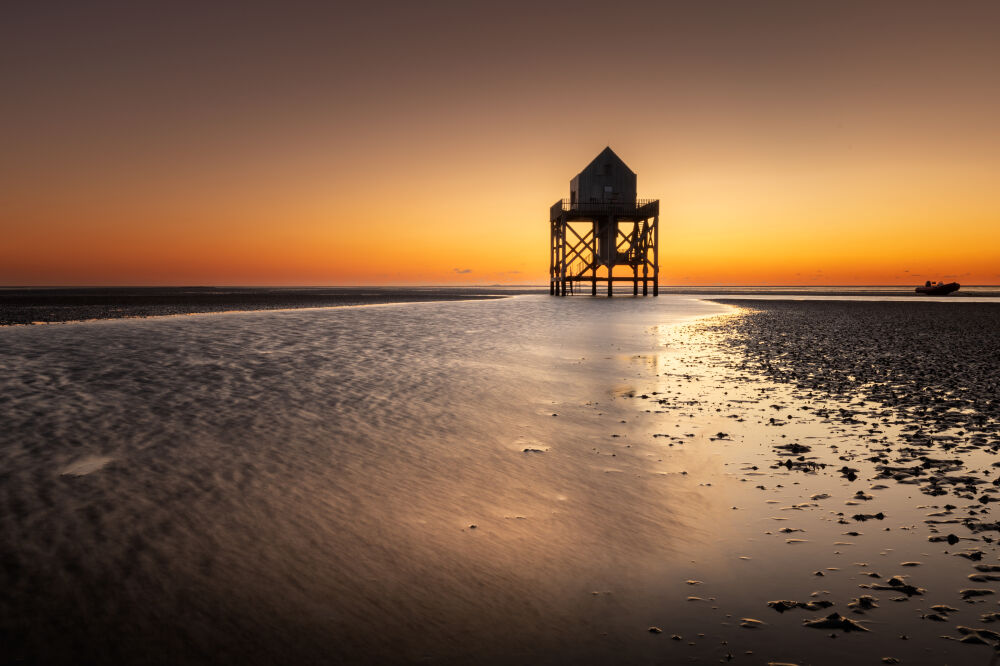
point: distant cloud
(462, 271)
(510, 273)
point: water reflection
(302, 486)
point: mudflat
(665, 481)
(935, 360)
(27, 306)
(882, 419)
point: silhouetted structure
(587, 234)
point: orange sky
(301, 143)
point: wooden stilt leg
(656, 255)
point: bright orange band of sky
(404, 143)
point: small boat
(938, 288)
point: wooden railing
(644, 206)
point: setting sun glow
(425, 145)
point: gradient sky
(403, 142)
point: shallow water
(301, 486)
(527, 480)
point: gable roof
(606, 156)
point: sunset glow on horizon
(295, 144)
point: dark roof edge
(598, 160)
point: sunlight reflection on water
(301, 486)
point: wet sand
(28, 306)
(878, 486)
(938, 361)
(451, 483)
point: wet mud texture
(870, 431)
(936, 361)
(28, 306)
(929, 369)
(932, 366)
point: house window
(608, 189)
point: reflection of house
(587, 230)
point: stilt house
(603, 225)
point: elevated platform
(641, 209)
(590, 238)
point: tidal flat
(25, 306)
(523, 480)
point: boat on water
(938, 288)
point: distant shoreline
(52, 305)
(829, 290)
(22, 307)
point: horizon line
(415, 285)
